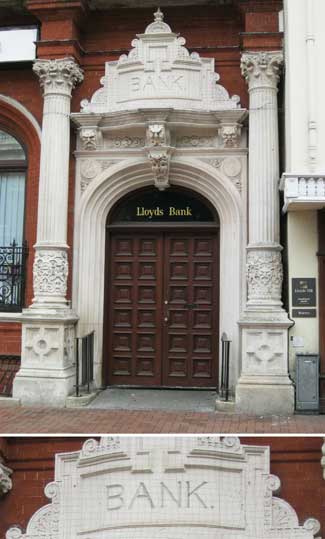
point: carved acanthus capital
(5, 481)
(230, 135)
(261, 69)
(264, 275)
(58, 76)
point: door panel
(191, 329)
(163, 319)
(135, 309)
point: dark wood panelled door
(191, 310)
(163, 305)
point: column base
(265, 399)
(264, 387)
(47, 373)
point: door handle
(166, 318)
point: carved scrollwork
(312, 525)
(59, 76)
(50, 272)
(124, 142)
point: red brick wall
(295, 460)
(96, 37)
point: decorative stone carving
(157, 135)
(58, 76)
(45, 522)
(88, 139)
(5, 481)
(264, 352)
(216, 163)
(215, 443)
(50, 272)
(139, 487)
(124, 142)
(107, 444)
(230, 135)
(195, 141)
(160, 168)
(262, 68)
(264, 275)
(107, 163)
(89, 169)
(159, 72)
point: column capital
(261, 69)
(59, 76)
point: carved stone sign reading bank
(168, 488)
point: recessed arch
(89, 245)
(18, 121)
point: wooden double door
(163, 305)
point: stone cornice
(201, 119)
(261, 69)
(58, 76)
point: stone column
(264, 386)
(57, 79)
(46, 374)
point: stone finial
(159, 16)
(261, 68)
(158, 26)
(58, 76)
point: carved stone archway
(89, 244)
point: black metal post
(225, 353)
(77, 367)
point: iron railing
(84, 363)
(9, 366)
(12, 276)
(224, 382)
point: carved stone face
(88, 138)
(230, 135)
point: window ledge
(10, 317)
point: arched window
(13, 250)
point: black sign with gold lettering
(170, 205)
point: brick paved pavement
(88, 421)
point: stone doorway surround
(157, 135)
(160, 119)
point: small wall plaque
(304, 292)
(303, 313)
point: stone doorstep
(9, 402)
(77, 402)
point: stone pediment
(160, 72)
(167, 488)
